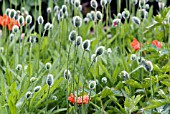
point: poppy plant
(7, 21)
(80, 100)
(157, 43)
(135, 44)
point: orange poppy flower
(157, 43)
(80, 100)
(135, 44)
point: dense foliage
(75, 64)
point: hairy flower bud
(72, 35)
(136, 20)
(93, 4)
(142, 3)
(40, 20)
(37, 88)
(100, 50)
(48, 10)
(148, 66)
(77, 21)
(86, 45)
(50, 80)
(28, 19)
(104, 80)
(67, 74)
(78, 40)
(124, 75)
(48, 66)
(93, 15)
(12, 13)
(28, 95)
(48, 26)
(103, 2)
(21, 20)
(15, 29)
(64, 9)
(125, 14)
(99, 15)
(92, 85)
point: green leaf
(133, 83)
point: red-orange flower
(157, 43)
(7, 21)
(80, 100)
(135, 44)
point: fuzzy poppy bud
(72, 2)
(67, 74)
(93, 15)
(7, 12)
(78, 40)
(93, 58)
(33, 79)
(64, 8)
(88, 15)
(161, 5)
(133, 57)
(19, 67)
(136, 20)
(109, 50)
(21, 20)
(28, 95)
(12, 13)
(56, 9)
(37, 88)
(11, 36)
(99, 51)
(140, 60)
(72, 35)
(104, 80)
(48, 26)
(124, 75)
(86, 45)
(48, 66)
(142, 3)
(99, 15)
(147, 6)
(93, 4)
(48, 10)
(119, 16)
(54, 98)
(148, 66)
(103, 2)
(125, 14)
(76, 3)
(77, 21)
(80, 8)
(15, 29)
(28, 19)
(144, 13)
(50, 80)
(92, 85)
(67, 1)
(86, 20)
(40, 20)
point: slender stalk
(67, 79)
